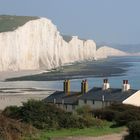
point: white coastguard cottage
(97, 97)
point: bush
(48, 116)
(76, 121)
(12, 112)
(67, 120)
(91, 121)
(123, 107)
(120, 113)
(106, 114)
(84, 110)
(134, 130)
(36, 113)
(13, 130)
(127, 116)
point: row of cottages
(97, 97)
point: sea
(114, 69)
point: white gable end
(133, 100)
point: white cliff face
(38, 45)
(82, 50)
(104, 52)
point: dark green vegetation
(68, 38)
(48, 116)
(10, 23)
(90, 131)
(122, 115)
(134, 130)
(49, 121)
(11, 129)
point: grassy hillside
(10, 23)
(68, 38)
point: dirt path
(106, 137)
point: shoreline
(77, 71)
(17, 99)
(115, 66)
(23, 91)
(12, 74)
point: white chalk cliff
(105, 51)
(39, 45)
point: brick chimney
(84, 86)
(67, 87)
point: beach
(17, 100)
(17, 94)
(38, 84)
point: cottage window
(85, 101)
(73, 107)
(93, 102)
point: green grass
(10, 23)
(94, 131)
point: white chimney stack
(125, 86)
(106, 84)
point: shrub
(134, 130)
(75, 121)
(120, 113)
(123, 107)
(13, 130)
(91, 121)
(106, 114)
(84, 110)
(48, 116)
(67, 120)
(127, 116)
(12, 112)
(36, 113)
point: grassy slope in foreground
(93, 131)
(10, 23)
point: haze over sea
(115, 69)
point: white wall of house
(93, 104)
(133, 99)
(60, 106)
(81, 103)
(69, 108)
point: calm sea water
(132, 74)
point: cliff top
(68, 38)
(10, 23)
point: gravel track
(106, 137)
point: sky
(109, 21)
